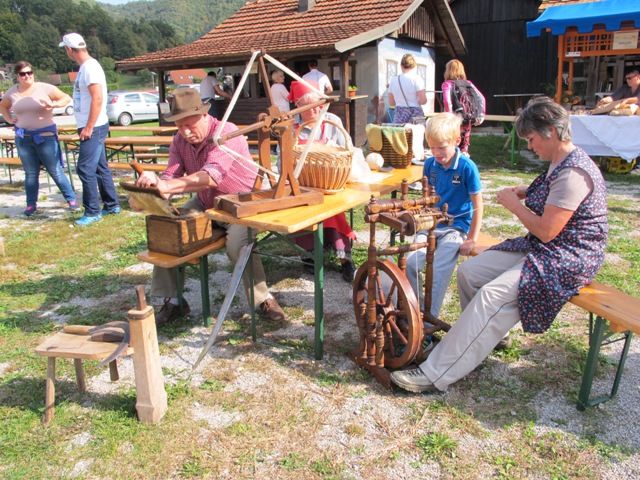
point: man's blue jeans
(46, 154)
(448, 241)
(94, 173)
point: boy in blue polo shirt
(457, 181)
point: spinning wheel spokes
(398, 306)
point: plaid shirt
(231, 175)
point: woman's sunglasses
(24, 74)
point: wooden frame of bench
(611, 313)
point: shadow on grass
(28, 394)
(28, 303)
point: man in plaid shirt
(198, 165)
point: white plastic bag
(359, 167)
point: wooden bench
(10, 162)
(153, 157)
(614, 316)
(78, 348)
(149, 167)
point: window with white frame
(392, 70)
(421, 70)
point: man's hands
(86, 133)
(149, 179)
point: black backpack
(468, 102)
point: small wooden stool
(199, 256)
(77, 347)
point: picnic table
(515, 101)
(311, 217)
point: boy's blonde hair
(444, 127)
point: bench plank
(621, 310)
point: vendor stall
(600, 38)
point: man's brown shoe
(270, 309)
(170, 312)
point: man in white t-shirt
(210, 87)
(317, 77)
(90, 106)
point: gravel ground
(616, 422)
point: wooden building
(500, 58)
(355, 42)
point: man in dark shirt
(631, 88)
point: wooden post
(151, 403)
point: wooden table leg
(80, 378)
(50, 391)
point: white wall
(390, 49)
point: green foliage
(32, 29)
(189, 19)
(437, 445)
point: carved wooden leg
(80, 378)
(50, 391)
(113, 371)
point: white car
(125, 107)
(66, 110)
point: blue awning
(583, 16)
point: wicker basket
(327, 167)
(393, 158)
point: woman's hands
(510, 198)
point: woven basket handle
(349, 143)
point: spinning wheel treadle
(397, 308)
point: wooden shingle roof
(278, 27)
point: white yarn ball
(375, 161)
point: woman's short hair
(454, 70)
(444, 127)
(539, 115)
(275, 74)
(20, 65)
(408, 62)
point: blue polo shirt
(455, 185)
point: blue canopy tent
(591, 29)
(584, 17)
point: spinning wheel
(396, 307)
(388, 315)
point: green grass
(54, 273)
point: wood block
(263, 201)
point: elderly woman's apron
(553, 272)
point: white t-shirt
(410, 86)
(207, 87)
(319, 78)
(90, 73)
(327, 132)
(280, 96)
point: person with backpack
(461, 97)
(406, 93)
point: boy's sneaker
(73, 205)
(85, 220)
(111, 211)
(30, 210)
